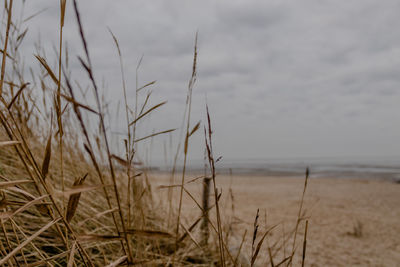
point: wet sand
(352, 222)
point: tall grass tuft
(68, 199)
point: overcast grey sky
(283, 79)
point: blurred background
(287, 82)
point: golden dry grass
(66, 199)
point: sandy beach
(352, 222)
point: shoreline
(389, 177)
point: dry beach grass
(66, 198)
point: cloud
(278, 75)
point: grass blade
(9, 143)
(48, 69)
(71, 259)
(254, 257)
(17, 94)
(3, 63)
(62, 7)
(27, 241)
(154, 134)
(118, 262)
(7, 215)
(149, 233)
(13, 183)
(195, 128)
(307, 174)
(147, 112)
(146, 85)
(74, 199)
(47, 156)
(304, 245)
(80, 189)
(98, 238)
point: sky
(282, 79)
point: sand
(352, 222)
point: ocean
(363, 168)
